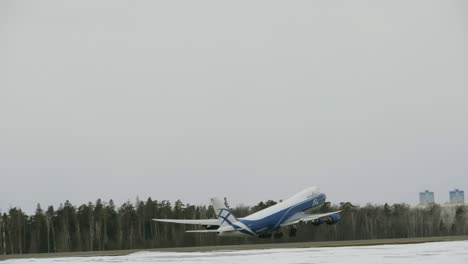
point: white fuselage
(271, 218)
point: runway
(434, 252)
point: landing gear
(278, 235)
(265, 235)
(292, 231)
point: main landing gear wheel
(292, 231)
(266, 235)
(278, 235)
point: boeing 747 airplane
(266, 222)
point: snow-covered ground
(427, 253)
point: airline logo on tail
(227, 221)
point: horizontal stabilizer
(208, 222)
(201, 231)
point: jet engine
(333, 219)
(317, 222)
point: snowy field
(438, 252)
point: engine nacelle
(318, 222)
(333, 219)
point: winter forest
(104, 226)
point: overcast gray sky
(252, 100)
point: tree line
(104, 226)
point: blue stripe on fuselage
(274, 221)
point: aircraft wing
(307, 218)
(207, 222)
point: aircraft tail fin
(224, 215)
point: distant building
(426, 198)
(457, 197)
